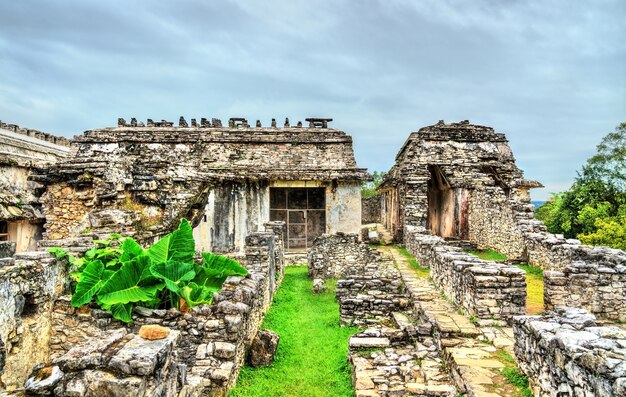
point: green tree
(594, 208)
(368, 189)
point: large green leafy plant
(118, 276)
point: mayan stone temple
(141, 260)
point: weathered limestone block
(118, 364)
(370, 209)
(318, 286)
(29, 282)
(566, 353)
(263, 348)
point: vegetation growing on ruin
(119, 274)
(489, 255)
(534, 289)
(420, 270)
(369, 188)
(512, 374)
(594, 208)
(311, 357)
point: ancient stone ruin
(228, 180)
(22, 153)
(434, 320)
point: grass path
(311, 357)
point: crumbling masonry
(257, 193)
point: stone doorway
(304, 212)
(447, 207)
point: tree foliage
(594, 208)
(368, 189)
(164, 275)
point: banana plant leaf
(178, 245)
(89, 283)
(122, 312)
(131, 283)
(173, 273)
(130, 249)
(195, 294)
(215, 269)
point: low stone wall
(370, 209)
(116, 364)
(576, 275)
(485, 289)
(370, 291)
(214, 338)
(332, 255)
(599, 288)
(567, 354)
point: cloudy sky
(551, 75)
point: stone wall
(29, 282)
(214, 338)
(38, 137)
(567, 354)
(597, 287)
(115, 364)
(370, 209)
(485, 289)
(369, 292)
(492, 220)
(332, 255)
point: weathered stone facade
(23, 152)
(485, 289)
(439, 170)
(29, 283)
(141, 180)
(567, 354)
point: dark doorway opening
(304, 212)
(4, 231)
(447, 207)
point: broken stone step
(357, 342)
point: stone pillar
(279, 230)
(259, 249)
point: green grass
(421, 271)
(311, 360)
(512, 375)
(534, 289)
(489, 255)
